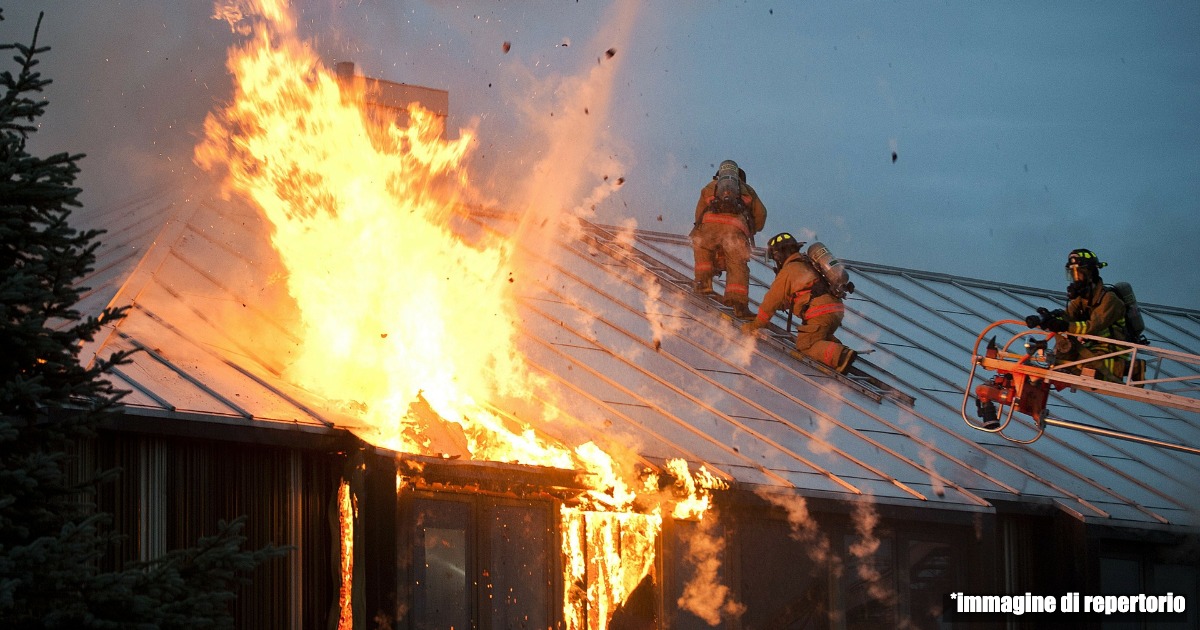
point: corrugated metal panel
(746, 409)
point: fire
(608, 555)
(404, 325)
(347, 513)
(395, 308)
(693, 490)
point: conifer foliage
(51, 536)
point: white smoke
(928, 456)
(804, 528)
(704, 595)
(864, 550)
(665, 319)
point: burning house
(460, 416)
(836, 502)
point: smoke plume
(705, 596)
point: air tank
(729, 185)
(1133, 314)
(830, 268)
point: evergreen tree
(51, 536)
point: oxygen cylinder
(729, 186)
(1134, 323)
(830, 268)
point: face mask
(1079, 288)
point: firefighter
(1092, 309)
(799, 286)
(728, 215)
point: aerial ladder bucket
(1022, 382)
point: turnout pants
(707, 238)
(815, 337)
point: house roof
(636, 359)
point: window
(902, 583)
(478, 562)
(932, 572)
(440, 556)
(516, 576)
(782, 584)
(869, 586)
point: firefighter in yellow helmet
(798, 285)
(1092, 309)
(728, 215)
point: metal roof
(696, 388)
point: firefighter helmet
(1083, 265)
(780, 247)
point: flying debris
(507, 46)
(894, 156)
(608, 54)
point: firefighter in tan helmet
(728, 215)
(808, 293)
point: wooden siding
(173, 490)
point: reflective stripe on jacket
(735, 220)
(1101, 314)
(824, 309)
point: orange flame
(405, 326)
(395, 308)
(607, 556)
(347, 512)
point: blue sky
(1022, 129)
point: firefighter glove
(1055, 325)
(1051, 321)
(751, 327)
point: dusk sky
(1021, 130)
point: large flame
(399, 316)
(403, 324)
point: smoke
(864, 550)
(928, 457)
(820, 442)
(571, 123)
(704, 595)
(737, 349)
(665, 319)
(804, 528)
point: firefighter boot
(847, 360)
(741, 310)
(703, 286)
